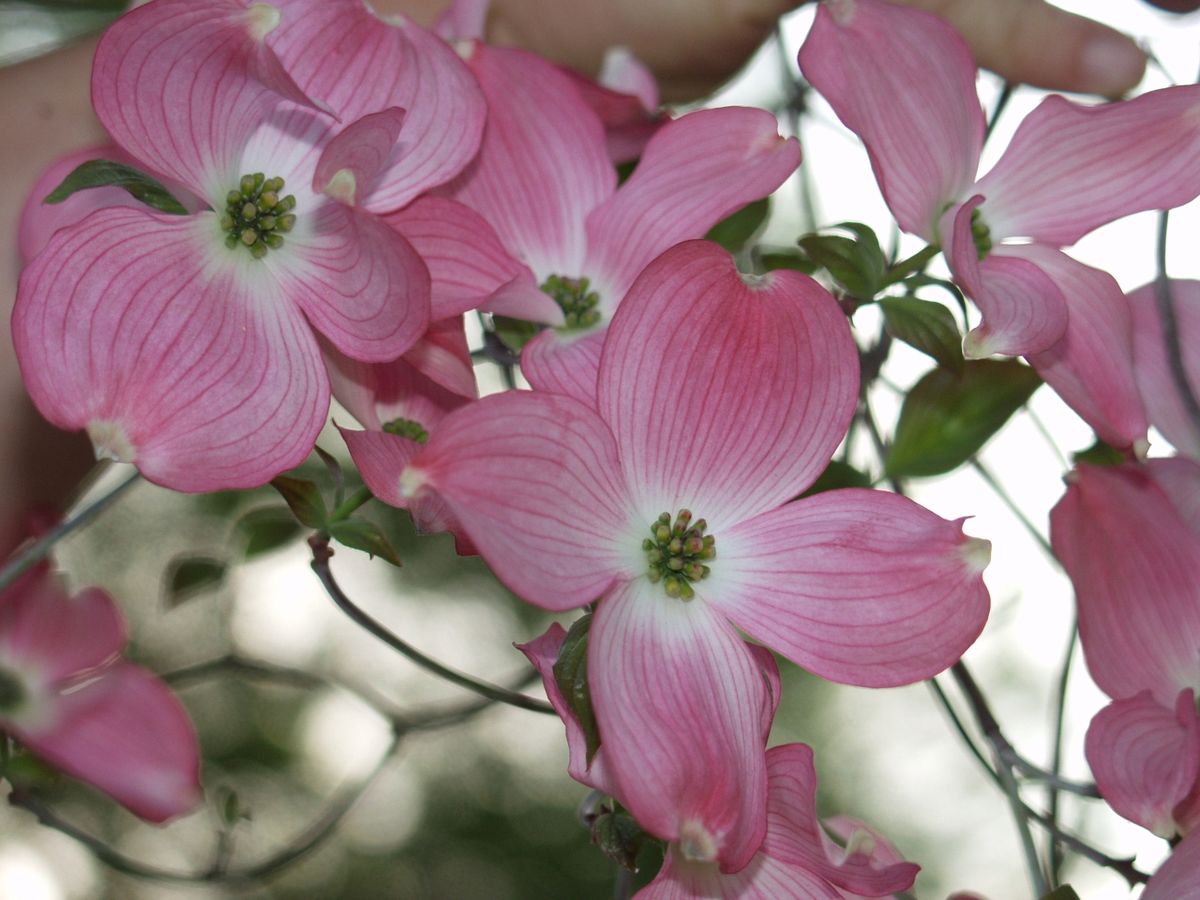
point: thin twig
(1170, 325)
(1055, 854)
(1006, 93)
(322, 553)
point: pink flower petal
(564, 363)
(1179, 478)
(137, 327)
(466, 260)
(764, 879)
(353, 159)
(359, 63)
(678, 702)
(56, 635)
(1145, 757)
(444, 357)
(858, 586)
(903, 81)
(1070, 169)
(1023, 309)
(728, 395)
(1135, 566)
(542, 165)
(463, 20)
(359, 282)
(1091, 367)
(521, 298)
(542, 653)
(1179, 877)
(625, 97)
(695, 171)
(128, 735)
(1160, 392)
(182, 86)
(535, 480)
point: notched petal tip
(413, 481)
(977, 553)
(342, 187)
(262, 18)
(109, 441)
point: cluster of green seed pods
(678, 552)
(256, 217)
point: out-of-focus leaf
(619, 837)
(1062, 892)
(1099, 454)
(192, 575)
(106, 173)
(514, 333)
(303, 498)
(787, 259)
(926, 325)
(267, 529)
(334, 468)
(838, 475)
(857, 263)
(735, 231)
(570, 673)
(913, 282)
(360, 534)
(949, 415)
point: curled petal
(564, 363)
(1070, 168)
(54, 635)
(444, 357)
(862, 587)
(625, 97)
(170, 352)
(354, 158)
(678, 701)
(1145, 758)
(127, 734)
(1023, 309)
(359, 282)
(729, 395)
(182, 86)
(535, 481)
(903, 81)
(1135, 565)
(1091, 367)
(695, 171)
(1160, 391)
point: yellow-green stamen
(256, 216)
(580, 305)
(677, 553)
(981, 234)
(407, 428)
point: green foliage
(734, 232)
(514, 333)
(570, 673)
(106, 173)
(948, 416)
(857, 264)
(360, 534)
(189, 576)
(266, 529)
(1063, 892)
(1099, 454)
(304, 499)
(619, 838)
(838, 475)
(925, 325)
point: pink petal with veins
(625, 97)
(729, 394)
(1179, 877)
(463, 20)
(904, 82)
(127, 325)
(564, 363)
(362, 149)
(40, 627)
(862, 587)
(1160, 391)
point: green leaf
(838, 475)
(1062, 892)
(106, 173)
(1099, 454)
(857, 263)
(335, 473)
(360, 534)
(514, 333)
(735, 231)
(913, 282)
(619, 837)
(264, 530)
(949, 415)
(570, 674)
(926, 325)
(787, 259)
(304, 499)
(191, 575)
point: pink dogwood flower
(1129, 537)
(66, 694)
(720, 398)
(185, 343)
(904, 82)
(1179, 877)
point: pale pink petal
(1145, 757)
(625, 97)
(1091, 367)
(358, 63)
(624, 73)
(564, 363)
(353, 159)
(359, 282)
(542, 165)
(1023, 309)
(1179, 877)
(145, 330)
(521, 298)
(535, 481)
(1160, 391)
(182, 86)
(764, 879)
(858, 586)
(128, 735)
(695, 171)
(728, 395)
(794, 834)
(1135, 566)
(466, 260)
(678, 700)
(904, 82)
(857, 837)
(765, 660)
(1070, 168)
(542, 654)
(444, 357)
(1179, 479)
(56, 635)
(463, 20)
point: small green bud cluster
(981, 234)
(579, 305)
(678, 552)
(407, 428)
(12, 691)
(256, 217)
